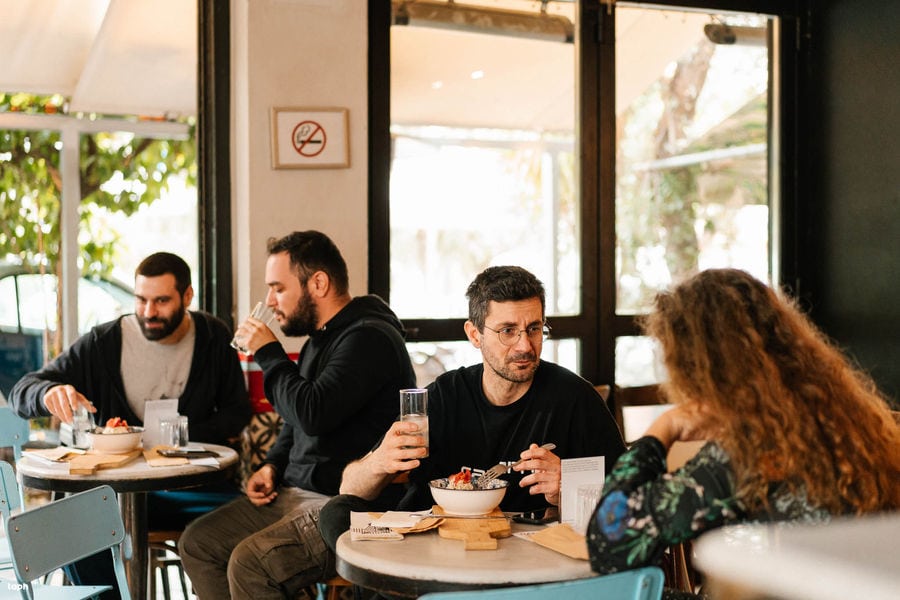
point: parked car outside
(28, 308)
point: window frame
(597, 326)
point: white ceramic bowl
(115, 443)
(468, 502)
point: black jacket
(215, 397)
(341, 395)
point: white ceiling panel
(44, 43)
(117, 57)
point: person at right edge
(794, 432)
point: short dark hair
(312, 251)
(501, 284)
(162, 263)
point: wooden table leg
(134, 514)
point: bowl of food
(460, 494)
(117, 437)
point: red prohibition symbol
(308, 138)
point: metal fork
(499, 469)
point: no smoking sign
(309, 138)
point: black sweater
(341, 395)
(215, 397)
(466, 430)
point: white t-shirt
(150, 370)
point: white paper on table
(47, 461)
(575, 472)
(362, 529)
(397, 518)
(154, 410)
(206, 461)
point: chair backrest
(605, 391)
(10, 492)
(54, 535)
(639, 584)
(13, 431)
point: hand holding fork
(499, 469)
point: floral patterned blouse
(644, 509)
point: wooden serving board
(88, 464)
(477, 533)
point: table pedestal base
(134, 513)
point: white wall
(304, 53)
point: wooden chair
(54, 535)
(679, 569)
(639, 584)
(605, 391)
(162, 547)
(330, 589)
(648, 396)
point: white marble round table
(425, 562)
(132, 482)
(851, 557)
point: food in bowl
(117, 437)
(116, 425)
(461, 480)
(456, 496)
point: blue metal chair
(13, 431)
(640, 584)
(54, 535)
(10, 500)
(10, 492)
(13, 434)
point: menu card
(575, 472)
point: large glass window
(506, 149)
(693, 139)
(483, 167)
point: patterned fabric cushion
(256, 439)
(260, 433)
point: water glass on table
(82, 423)
(173, 431)
(260, 312)
(414, 407)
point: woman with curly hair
(794, 431)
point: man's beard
(303, 320)
(169, 325)
(504, 369)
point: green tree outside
(120, 173)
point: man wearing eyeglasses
(497, 411)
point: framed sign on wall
(310, 138)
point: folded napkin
(563, 539)
(58, 454)
(396, 518)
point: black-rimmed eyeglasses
(508, 336)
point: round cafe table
(425, 562)
(132, 482)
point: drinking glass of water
(414, 407)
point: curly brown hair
(789, 405)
